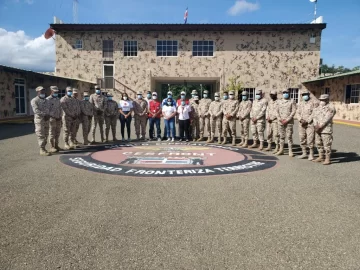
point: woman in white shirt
(125, 109)
(169, 112)
(184, 112)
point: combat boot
(43, 152)
(327, 160)
(211, 140)
(276, 149)
(233, 141)
(53, 150)
(261, 147)
(304, 154)
(245, 144)
(200, 139)
(67, 146)
(291, 154)
(72, 145)
(224, 141)
(57, 146)
(311, 154)
(241, 142)
(281, 150)
(219, 140)
(208, 140)
(254, 145)
(194, 140)
(268, 148)
(320, 158)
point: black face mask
(273, 97)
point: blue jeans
(155, 121)
(170, 126)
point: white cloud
(241, 6)
(21, 51)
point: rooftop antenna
(75, 11)
(314, 1)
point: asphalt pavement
(298, 215)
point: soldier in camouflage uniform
(244, 116)
(78, 120)
(71, 111)
(41, 109)
(204, 122)
(55, 119)
(87, 113)
(216, 117)
(99, 102)
(111, 116)
(193, 94)
(257, 115)
(140, 115)
(306, 126)
(272, 122)
(194, 121)
(285, 114)
(229, 108)
(322, 117)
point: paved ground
(300, 215)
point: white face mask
(125, 98)
(154, 97)
(231, 96)
(217, 98)
(322, 103)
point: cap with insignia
(39, 88)
(217, 94)
(286, 91)
(54, 88)
(97, 87)
(169, 93)
(109, 95)
(86, 94)
(154, 93)
(324, 97)
(206, 92)
(194, 92)
(139, 93)
(182, 93)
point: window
(352, 93)
(251, 92)
(130, 48)
(108, 76)
(326, 91)
(294, 94)
(61, 93)
(78, 44)
(20, 96)
(203, 48)
(108, 48)
(166, 48)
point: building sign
(169, 160)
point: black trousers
(125, 122)
(184, 126)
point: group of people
(193, 117)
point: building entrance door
(176, 88)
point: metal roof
(186, 27)
(356, 72)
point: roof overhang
(184, 27)
(346, 74)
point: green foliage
(340, 69)
(176, 89)
(234, 84)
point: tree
(340, 69)
(235, 85)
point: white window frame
(137, 48)
(61, 93)
(214, 48)
(77, 44)
(177, 49)
(17, 99)
(357, 89)
(251, 91)
(113, 65)
(293, 96)
(107, 52)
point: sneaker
(159, 139)
(172, 139)
(168, 140)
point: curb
(347, 124)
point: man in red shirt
(154, 116)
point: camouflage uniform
(111, 116)
(204, 120)
(55, 120)
(306, 125)
(322, 117)
(216, 116)
(195, 118)
(286, 111)
(99, 102)
(244, 119)
(87, 113)
(272, 123)
(193, 94)
(78, 120)
(140, 115)
(258, 111)
(230, 107)
(71, 110)
(41, 109)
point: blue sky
(340, 40)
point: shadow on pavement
(342, 157)
(13, 130)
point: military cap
(86, 93)
(244, 93)
(75, 91)
(54, 88)
(217, 94)
(169, 93)
(286, 91)
(182, 93)
(305, 92)
(194, 92)
(259, 91)
(206, 92)
(196, 98)
(109, 95)
(273, 92)
(148, 92)
(39, 88)
(231, 92)
(139, 93)
(97, 87)
(69, 88)
(324, 97)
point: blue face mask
(169, 96)
(205, 95)
(42, 95)
(182, 96)
(225, 97)
(244, 98)
(139, 96)
(183, 103)
(55, 95)
(286, 95)
(306, 98)
(98, 91)
(258, 96)
(69, 93)
(109, 98)
(169, 103)
(148, 95)
(86, 98)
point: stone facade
(8, 78)
(337, 87)
(265, 59)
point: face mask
(322, 103)
(182, 96)
(109, 98)
(273, 97)
(69, 94)
(169, 103)
(192, 96)
(231, 96)
(286, 95)
(169, 96)
(139, 96)
(86, 98)
(244, 98)
(196, 101)
(205, 95)
(258, 96)
(306, 98)
(97, 91)
(55, 95)
(217, 98)
(42, 95)
(148, 95)
(154, 97)
(225, 97)
(183, 103)
(125, 98)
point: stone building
(17, 88)
(344, 91)
(131, 57)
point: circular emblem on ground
(168, 159)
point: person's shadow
(342, 157)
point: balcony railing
(115, 85)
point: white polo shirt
(168, 110)
(183, 112)
(125, 105)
